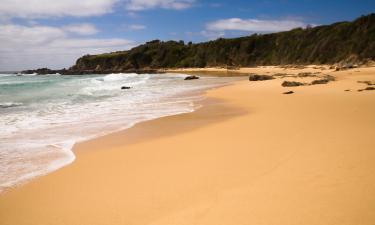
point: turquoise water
(42, 117)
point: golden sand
(251, 155)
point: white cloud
(25, 47)
(137, 5)
(32, 9)
(81, 29)
(54, 8)
(253, 25)
(11, 36)
(137, 27)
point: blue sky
(36, 33)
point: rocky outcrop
(325, 80)
(292, 84)
(256, 77)
(367, 82)
(44, 71)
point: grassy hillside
(319, 45)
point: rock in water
(125, 87)
(257, 77)
(193, 77)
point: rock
(256, 77)
(369, 89)
(192, 77)
(40, 71)
(44, 71)
(346, 66)
(370, 83)
(321, 81)
(125, 87)
(329, 77)
(306, 74)
(347, 90)
(288, 92)
(325, 80)
(292, 84)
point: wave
(111, 84)
(61, 111)
(26, 74)
(117, 76)
(10, 104)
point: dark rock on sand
(320, 81)
(325, 80)
(369, 89)
(306, 74)
(292, 84)
(256, 77)
(370, 83)
(193, 77)
(346, 66)
(288, 92)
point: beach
(249, 155)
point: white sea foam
(43, 116)
(10, 104)
(118, 76)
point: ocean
(42, 117)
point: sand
(250, 155)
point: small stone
(193, 77)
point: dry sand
(251, 155)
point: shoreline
(196, 98)
(291, 156)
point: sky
(54, 33)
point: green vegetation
(319, 45)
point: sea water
(42, 117)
